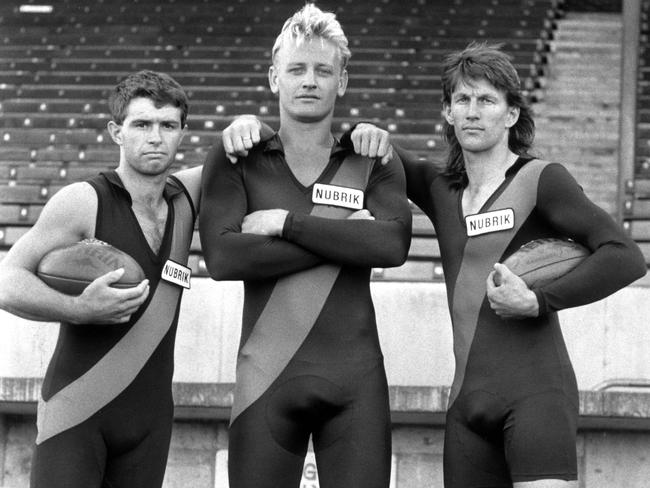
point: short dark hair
(161, 88)
(489, 62)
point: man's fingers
(365, 145)
(356, 141)
(228, 146)
(373, 146)
(110, 277)
(389, 155)
(491, 281)
(135, 293)
(363, 214)
(382, 149)
(255, 135)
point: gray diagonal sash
(292, 309)
(115, 371)
(479, 256)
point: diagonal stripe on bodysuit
(115, 371)
(293, 307)
(479, 256)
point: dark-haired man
(106, 411)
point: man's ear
(183, 133)
(343, 83)
(513, 116)
(446, 110)
(273, 79)
(115, 130)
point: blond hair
(311, 22)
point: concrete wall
(198, 457)
(608, 339)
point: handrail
(622, 383)
(629, 81)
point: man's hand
(509, 296)
(265, 222)
(101, 304)
(240, 136)
(373, 142)
(362, 214)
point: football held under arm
(616, 260)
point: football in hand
(542, 261)
(70, 269)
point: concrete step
(548, 149)
(548, 114)
(562, 49)
(579, 70)
(589, 34)
(584, 57)
(599, 139)
(594, 128)
(594, 99)
(555, 107)
(576, 20)
(582, 80)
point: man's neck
(484, 168)
(296, 135)
(144, 189)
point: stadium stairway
(577, 119)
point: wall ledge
(422, 405)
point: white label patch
(176, 273)
(337, 196)
(484, 223)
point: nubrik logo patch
(337, 196)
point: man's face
(149, 136)
(480, 115)
(308, 78)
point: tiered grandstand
(57, 69)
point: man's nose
(472, 109)
(154, 134)
(309, 80)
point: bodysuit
(105, 416)
(513, 404)
(310, 361)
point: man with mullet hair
(309, 363)
(513, 405)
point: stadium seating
(57, 69)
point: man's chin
(310, 117)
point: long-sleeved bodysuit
(328, 382)
(514, 402)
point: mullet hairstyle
(484, 61)
(311, 22)
(160, 88)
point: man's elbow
(397, 254)
(218, 267)
(641, 268)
